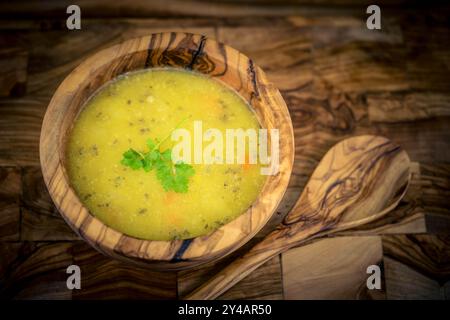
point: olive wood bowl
(179, 50)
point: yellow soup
(149, 104)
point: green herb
(172, 176)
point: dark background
(338, 78)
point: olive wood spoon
(359, 180)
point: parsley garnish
(172, 176)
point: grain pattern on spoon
(359, 180)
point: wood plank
(40, 219)
(9, 220)
(446, 290)
(284, 52)
(10, 183)
(34, 270)
(264, 283)
(20, 125)
(426, 38)
(409, 106)
(404, 283)
(13, 63)
(164, 8)
(427, 254)
(340, 30)
(425, 140)
(10, 192)
(45, 227)
(106, 278)
(333, 268)
(352, 67)
(212, 8)
(404, 222)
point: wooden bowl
(180, 50)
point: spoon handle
(276, 242)
(231, 275)
(246, 264)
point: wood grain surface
(417, 261)
(264, 283)
(338, 79)
(13, 63)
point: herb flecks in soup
(145, 105)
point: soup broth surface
(150, 104)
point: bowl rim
(172, 254)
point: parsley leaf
(132, 159)
(172, 176)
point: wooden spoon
(359, 180)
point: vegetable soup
(119, 155)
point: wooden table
(338, 78)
